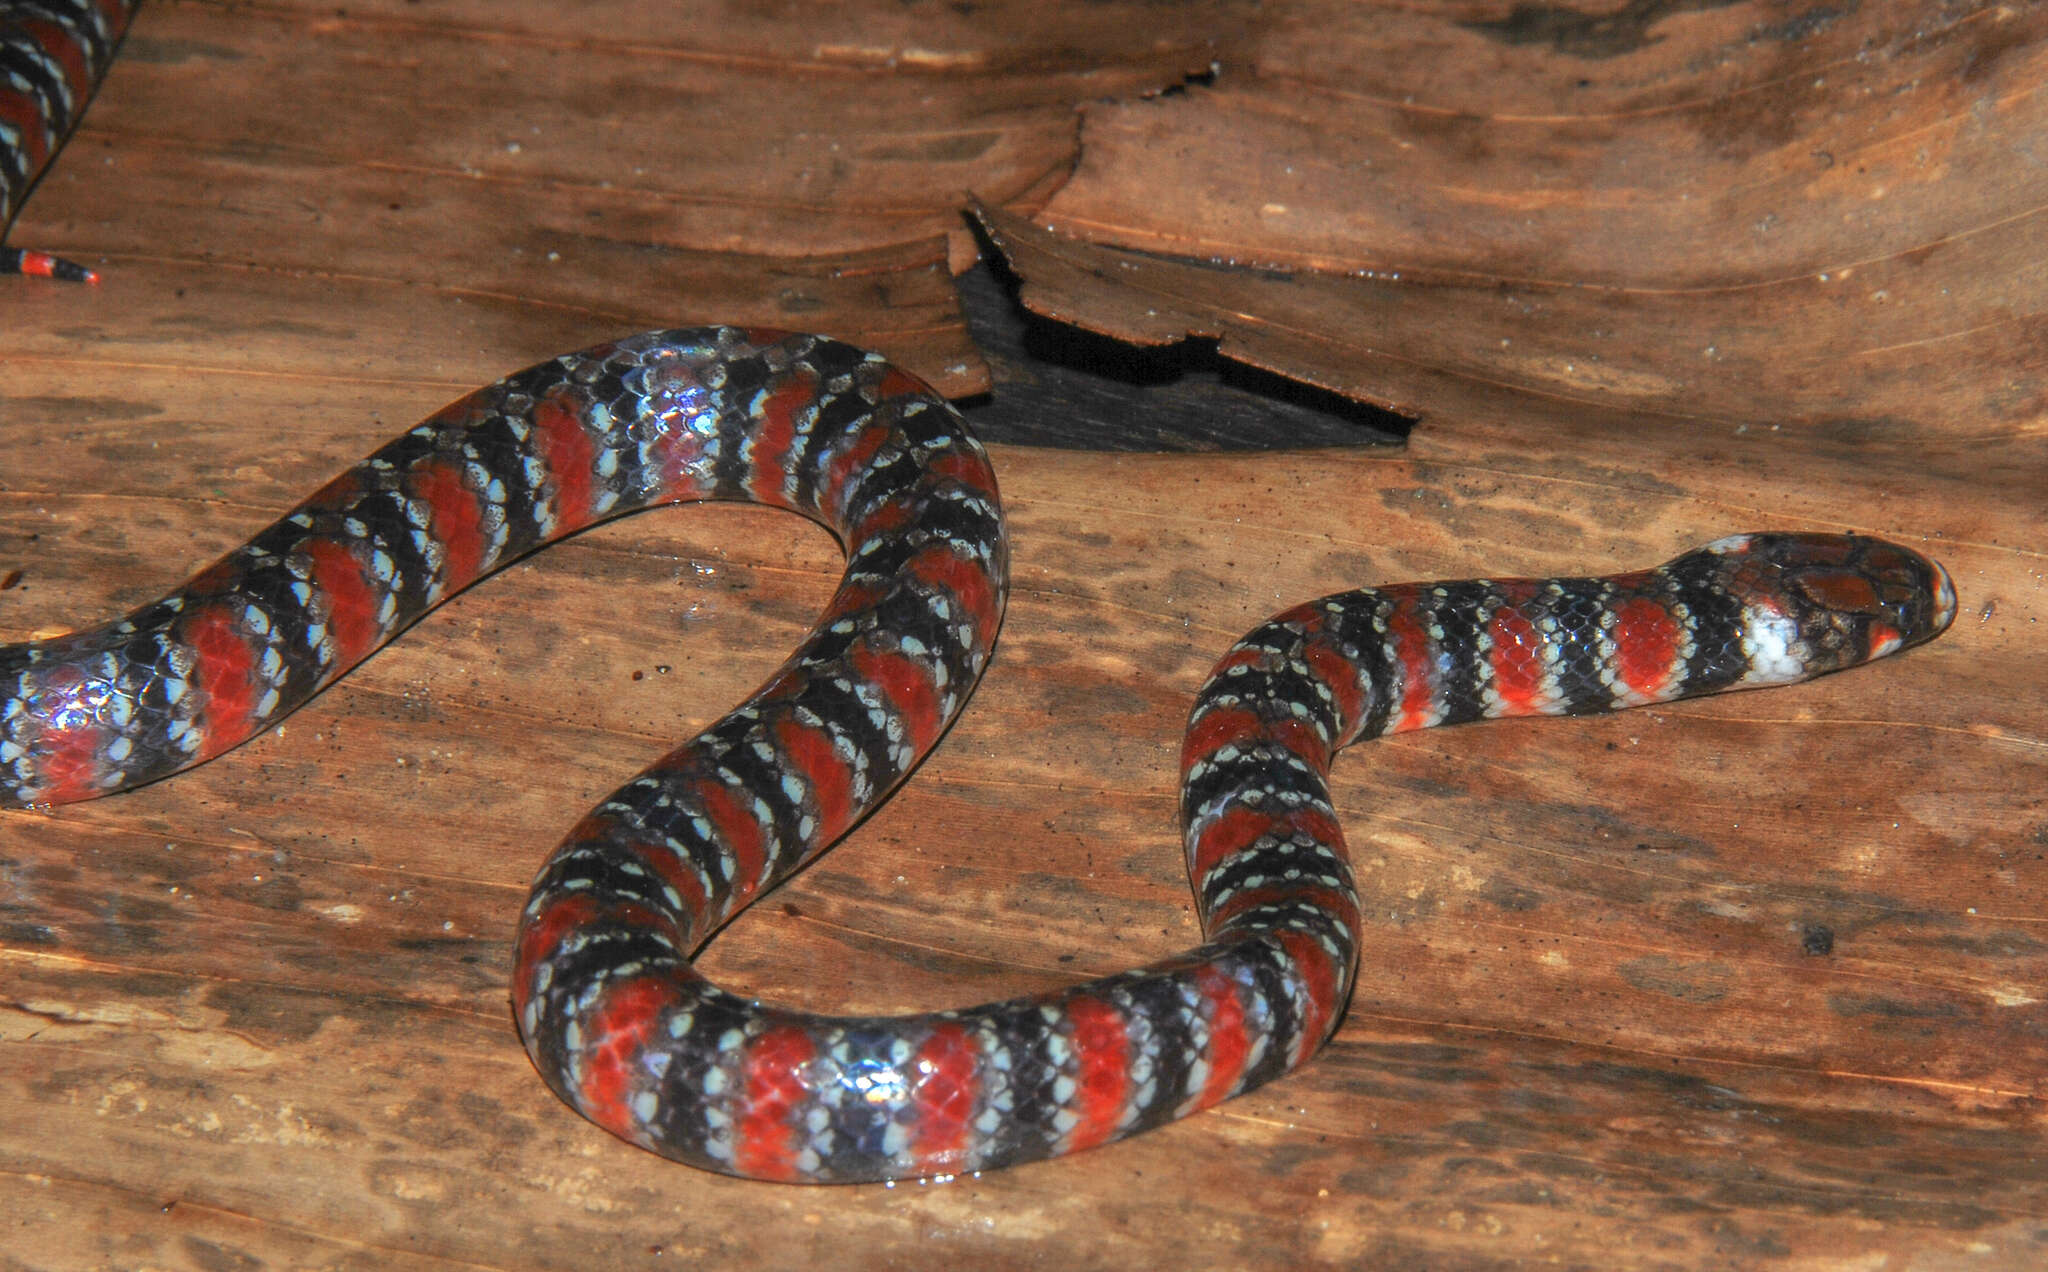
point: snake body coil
(53, 54)
(615, 1017)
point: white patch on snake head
(1770, 640)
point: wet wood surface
(1751, 982)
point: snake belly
(615, 1018)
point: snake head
(1850, 598)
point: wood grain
(1708, 213)
(1753, 982)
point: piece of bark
(274, 987)
(1052, 384)
(1701, 217)
(446, 143)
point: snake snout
(1915, 594)
(1944, 598)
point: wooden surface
(1751, 982)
